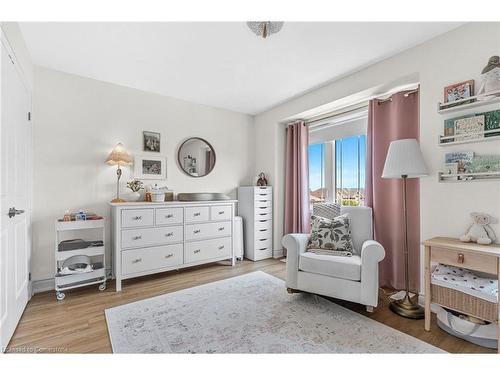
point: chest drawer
(140, 260)
(207, 230)
(166, 216)
(457, 258)
(197, 214)
(262, 204)
(203, 250)
(151, 236)
(220, 212)
(263, 243)
(263, 224)
(137, 218)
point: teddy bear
(480, 231)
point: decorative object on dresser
(150, 167)
(255, 206)
(71, 252)
(152, 238)
(135, 186)
(196, 157)
(404, 160)
(262, 180)
(468, 257)
(480, 231)
(151, 141)
(119, 157)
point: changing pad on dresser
(465, 281)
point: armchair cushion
(348, 268)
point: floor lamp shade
(118, 156)
(404, 158)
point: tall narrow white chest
(255, 206)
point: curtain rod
(406, 94)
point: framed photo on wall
(150, 167)
(151, 141)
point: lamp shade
(119, 156)
(404, 158)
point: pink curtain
(389, 121)
(297, 179)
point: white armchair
(352, 278)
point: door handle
(13, 212)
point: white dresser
(255, 206)
(155, 237)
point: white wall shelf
(473, 101)
(464, 138)
(461, 177)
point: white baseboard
(278, 253)
(39, 286)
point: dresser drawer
(263, 243)
(207, 230)
(263, 216)
(261, 204)
(166, 216)
(263, 224)
(220, 212)
(457, 258)
(151, 236)
(140, 260)
(262, 210)
(265, 195)
(196, 214)
(137, 218)
(202, 250)
(263, 233)
(263, 252)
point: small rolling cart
(79, 262)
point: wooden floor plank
(78, 325)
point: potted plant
(134, 186)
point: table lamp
(404, 160)
(118, 156)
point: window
(350, 154)
(337, 163)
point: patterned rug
(252, 313)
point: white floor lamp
(404, 160)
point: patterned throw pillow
(328, 210)
(331, 237)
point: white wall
(79, 120)
(452, 57)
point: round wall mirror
(196, 157)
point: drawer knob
(196, 231)
(169, 216)
(461, 258)
(221, 247)
(136, 238)
(137, 218)
(137, 260)
(169, 234)
(197, 214)
(169, 255)
(196, 251)
(221, 228)
(221, 212)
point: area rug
(252, 313)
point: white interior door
(15, 195)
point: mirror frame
(179, 156)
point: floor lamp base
(407, 307)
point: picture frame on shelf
(151, 141)
(148, 167)
(459, 91)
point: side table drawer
(457, 258)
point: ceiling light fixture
(266, 28)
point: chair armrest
(295, 244)
(372, 253)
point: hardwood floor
(77, 324)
